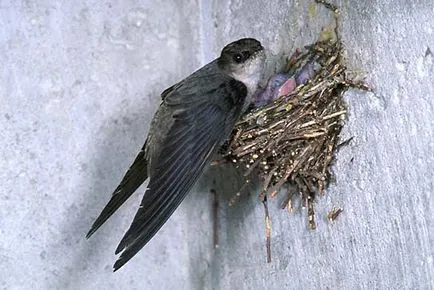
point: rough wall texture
(79, 84)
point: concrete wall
(79, 83)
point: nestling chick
(282, 84)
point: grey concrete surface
(79, 83)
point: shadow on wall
(120, 136)
(226, 180)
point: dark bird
(194, 119)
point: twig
(267, 229)
(215, 211)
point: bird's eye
(241, 57)
(246, 54)
(238, 57)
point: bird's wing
(134, 177)
(202, 121)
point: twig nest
(294, 139)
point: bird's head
(244, 61)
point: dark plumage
(195, 117)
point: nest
(293, 141)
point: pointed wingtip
(119, 248)
(126, 255)
(90, 232)
(123, 243)
(96, 225)
(119, 263)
